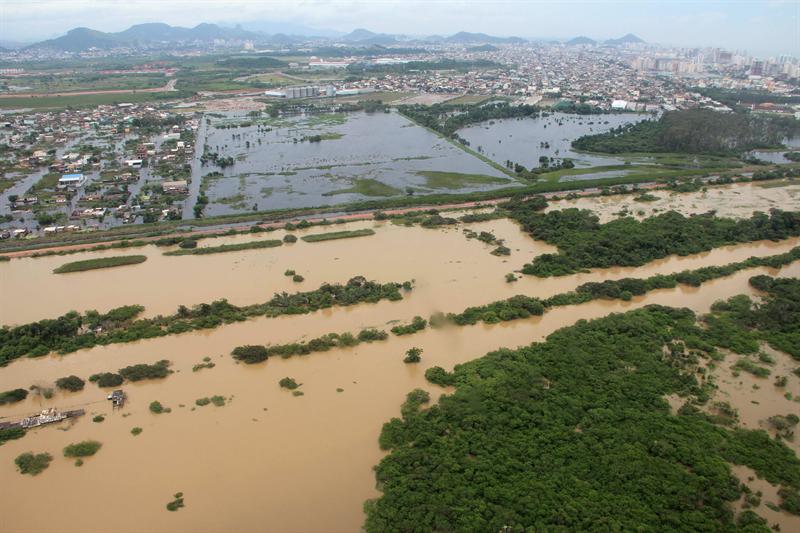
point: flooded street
(259, 462)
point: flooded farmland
(524, 141)
(312, 160)
(256, 462)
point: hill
(580, 40)
(80, 39)
(626, 39)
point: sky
(763, 28)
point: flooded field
(523, 141)
(737, 200)
(257, 462)
(313, 160)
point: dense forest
(447, 119)
(694, 131)
(584, 242)
(574, 434)
(73, 331)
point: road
(363, 215)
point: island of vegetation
(251, 354)
(102, 262)
(588, 406)
(337, 235)
(585, 243)
(222, 248)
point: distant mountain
(627, 39)
(581, 40)
(365, 37)
(359, 34)
(80, 39)
(12, 45)
(464, 37)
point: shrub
(188, 244)
(417, 324)
(84, 448)
(142, 371)
(289, 272)
(297, 278)
(136, 431)
(439, 376)
(29, 463)
(106, 379)
(250, 353)
(157, 408)
(11, 434)
(98, 418)
(70, 383)
(413, 355)
(13, 396)
(177, 503)
(218, 401)
(289, 238)
(288, 383)
(202, 401)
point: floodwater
(521, 140)
(274, 168)
(738, 200)
(268, 458)
(449, 271)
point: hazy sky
(766, 27)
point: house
(133, 163)
(71, 181)
(175, 187)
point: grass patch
(33, 464)
(367, 187)
(85, 100)
(337, 235)
(435, 179)
(227, 248)
(103, 262)
(84, 448)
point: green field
(103, 262)
(468, 99)
(435, 179)
(85, 100)
(367, 187)
(337, 235)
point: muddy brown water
(737, 200)
(269, 460)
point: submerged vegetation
(102, 262)
(73, 331)
(33, 464)
(587, 405)
(84, 448)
